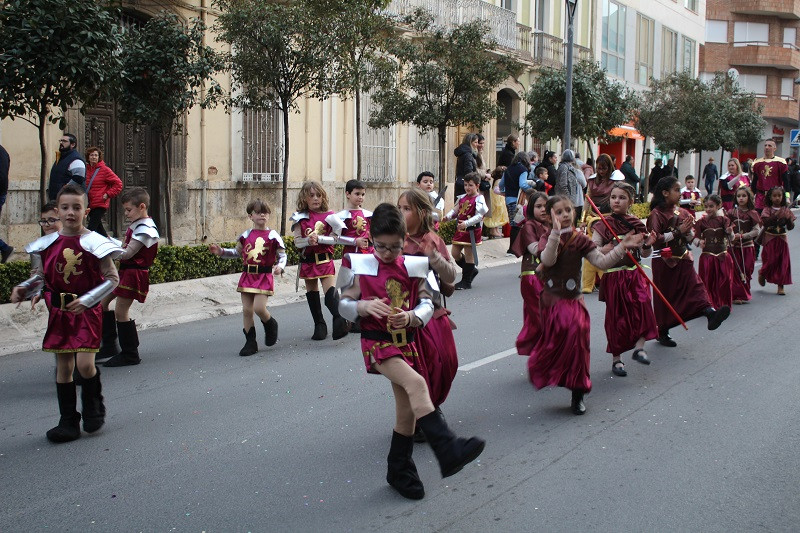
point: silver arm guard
(300, 242)
(281, 259)
(326, 239)
(32, 286)
(348, 308)
(347, 241)
(424, 311)
(229, 253)
(96, 295)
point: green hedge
(178, 263)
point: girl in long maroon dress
(526, 245)
(630, 321)
(673, 267)
(435, 342)
(776, 266)
(391, 296)
(561, 355)
(746, 225)
(712, 233)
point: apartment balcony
(785, 9)
(773, 55)
(539, 47)
(449, 13)
(785, 108)
(579, 53)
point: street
(295, 437)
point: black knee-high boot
(270, 331)
(314, 305)
(452, 452)
(401, 473)
(109, 347)
(94, 410)
(129, 342)
(467, 274)
(339, 323)
(250, 345)
(69, 425)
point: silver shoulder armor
(431, 283)
(245, 234)
(100, 246)
(297, 216)
(367, 213)
(344, 279)
(41, 244)
(364, 264)
(416, 266)
(274, 235)
(344, 214)
(336, 223)
(145, 232)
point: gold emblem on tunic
(359, 224)
(253, 251)
(319, 228)
(464, 208)
(71, 263)
(398, 297)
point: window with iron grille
(378, 147)
(427, 154)
(262, 145)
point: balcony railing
(785, 9)
(449, 13)
(579, 53)
(780, 106)
(785, 56)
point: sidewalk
(22, 330)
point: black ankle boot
(129, 342)
(664, 338)
(401, 473)
(716, 316)
(578, 406)
(452, 452)
(340, 328)
(250, 345)
(69, 425)
(109, 347)
(94, 410)
(320, 328)
(270, 331)
(466, 277)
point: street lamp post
(571, 5)
(797, 82)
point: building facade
(756, 42)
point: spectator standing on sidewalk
(102, 184)
(5, 163)
(68, 167)
(710, 175)
(509, 150)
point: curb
(180, 302)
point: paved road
(295, 438)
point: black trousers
(96, 220)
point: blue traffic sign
(794, 138)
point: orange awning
(626, 130)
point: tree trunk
(442, 135)
(167, 187)
(358, 134)
(43, 164)
(699, 166)
(285, 189)
(589, 147)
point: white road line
(488, 359)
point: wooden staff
(639, 266)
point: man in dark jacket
(629, 172)
(69, 167)
(5, 164)
(710, 175)
(507, 155)
(655, 174)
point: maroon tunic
(530, 285)
(134, 273)
(259, 252)
(629, 309)
(776, 265)
(743, 221)
(561, 355)
(675, 277)
(357, 227)
(69, 268)
(435, 342)
(769, 173)
(465, 209)
(716, 265)
(316, 261)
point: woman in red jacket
(101, 185)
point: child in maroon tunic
(355, 220)
(630, 321)
(263, 254)
(141, 247)
(673, 267)
(315, 229)
(746, 225)
(526, 245)
(468, 211)
(76, 269)
(435, 342)
(561, 356)
(712, 233)
(391, 296)
(776, 265)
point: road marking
(488, 359)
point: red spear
(640, 267)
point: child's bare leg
(247, 310)
(404, 415)
(122, 308)
(468, 255)
(312, 285)
(405, 377)
(107, 301)
(327, 283)
(65, 365)
(260, 308)
(85, 362)
(455, 251)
